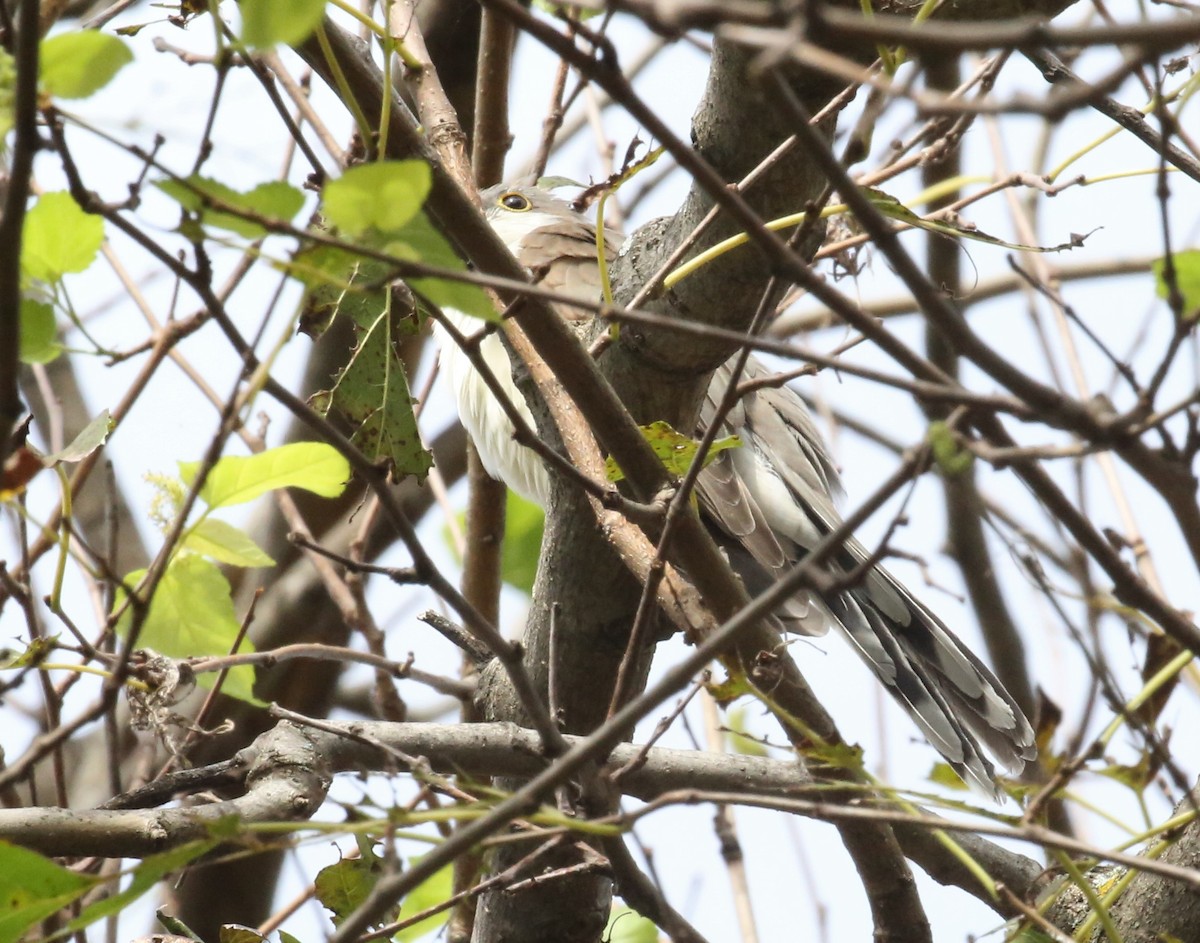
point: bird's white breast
(489, 427)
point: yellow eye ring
(514, 201)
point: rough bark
(1153, 907)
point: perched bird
(766, 503)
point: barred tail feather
(951, 696)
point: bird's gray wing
(770, 501)
(571, 243)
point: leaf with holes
(371, 392)
(675, 450)
(32, 888)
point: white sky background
(159, 93)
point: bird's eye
(517, 202)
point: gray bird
(766, 503)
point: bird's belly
(488, 425)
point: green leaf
(38, 651)
(583, 11)
(727, 691)
(1187, 280)
(8, 94)
(90, 438)
(524, 523)
(737, 740)
(192, 614)
(39, 332)
(226, 544)
(951, 457)
(340, 284)
(889, 206)
(343, 886)
(79, 64)
(58, 237)
(419, 241)
(235, 479)
(32, 888)
(434, 890)
(236, 933)
(383, 196)
(371, 392)
(675, 450)
(285, 937)
(145, 876)
(267, 22)
(943, 775)
(839, 756)
(628, 926)
(273, 201)
(177, 930)
(1136, 776)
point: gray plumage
(766, 503)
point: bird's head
(551, 238)
(516, 211)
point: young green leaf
(419, 241)
(273, 200)
(628, 926)
(942, 774)
(58, 237)
(267, 22)
(79, 64)
(145, 876)
(39, 332)
(192, 614)
(892, 208)
(36, 652)
(225, 543)
(727, 691)
(737, 739)
(951, 457)
(235, 479)
(90, 438)
(383, 196)
(236, 933)
(8, 92)
(32, 888)
(434, 890)
(524, 523)
(1186, 267)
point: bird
(766, 503)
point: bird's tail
(949, 693)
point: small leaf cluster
(191, 610)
